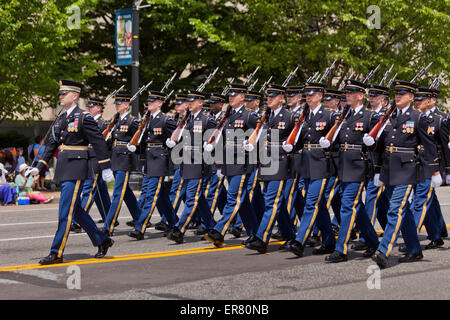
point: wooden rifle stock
(220, 125)
(134, 141)
(110, 125)
(329, 136)
(176, 132)
(291, 138)
(376, 129)
(254, 135)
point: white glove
(31, 170)
(248, 146)
(324, 142)
(219, 174)
(131, 148)
(368, 140)
(376, 180)
(449, 145)
(287, 147)
(170, 143)
(436, 180)
(107, 175)
(447, 179)
(208, 147)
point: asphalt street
(156, 268)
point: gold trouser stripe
(236, 206)
(124, 188)
(291, 192)
(330, 197)
(296, 216)
(197, 195)
(207, 188)
(352, 220)
(91, 192)
(372, 219)
(216, 195)
(304, 192)
(155, 199)
(424, 208)
(177, 197)
(399, 220)
(274, 211)
(316, 210)
(69, 218)
(253, 186)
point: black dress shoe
(402, 248)
(103, 248)
(296, 248)
(75, 228)
(193, 225)
(214, 237)
(249, 239)
(444, 233)
(201, 231)
(336, 257)
(380, 259)
(434, 244)
(116, 224)
(236, 232)
(52, 258)
(353, 235)
(161, 226)
(257, 245)
(411, 257)
(136, 234)
(369, 252)
(131, 223)
(277, 235)
(100, 221)
(176, 235)
(359, 246)
(314, 241)
(285, 245)
(323, 250)
(335, 230)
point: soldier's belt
(311, 146)
(120, 143)
(392, 149)
(78, 148)
(347, 146)
(154, 145)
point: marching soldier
(122, 163)
(235, 167)
(72, 133)
(352, 171)
(157, 130)
(193, 169)
(315, 168)
(406, 148)
(275, 173)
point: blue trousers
(69, 208)
(177, 190)
(399, 217)
(352, 210)
(299, 202)
(155, 196)
(275, 209)
(122, 192)
(315, 212)
(237, 201)
(96, 191)
(424, 208)
(333, 195)
(195, 200)
(255, 195)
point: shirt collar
(296, 109)
(69, 111)
(123, 115)
(277, 111)
(217, 115)
(97, 117)
(196, 114)
(238, 108)
(155, 114)
(314, 112)
(358, 109)
(378, 110)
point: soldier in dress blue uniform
(96, 190)
(236, 167)
(72, 133)
(274, 171)
(406, 148)
(122, 163)
(316, 168)
(376, 202)
(352, 171)
(157, 130)
(193, 169)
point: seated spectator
(7, 192)
(26, 186)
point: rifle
(379, 127)
(208, 80)
(114, 93)
(290, 141)
(250, 77)
(253, 139)
(216, 134)
(226, 89)
(437, 81)
(386, 74)
(327, 72)
(265, 84)
(370, 75)
(289, 77)
(392, 80)
(250, 88)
